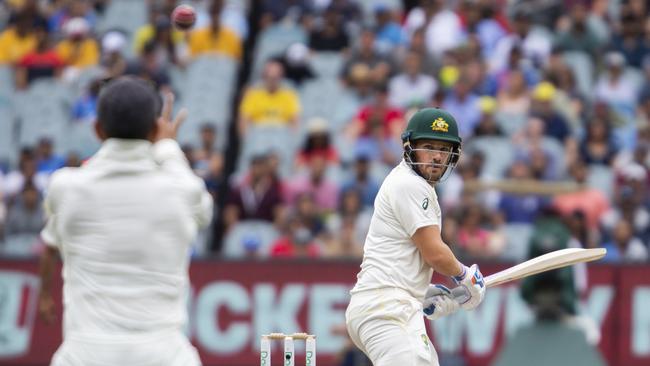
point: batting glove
(471, 287)
(438, 302)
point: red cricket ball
(184, 17)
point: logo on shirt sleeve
(425, 203)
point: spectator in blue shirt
(47, 161)
(388, 32)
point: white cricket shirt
(123, 223)
(405, 203)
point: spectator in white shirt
(443, 27)
(412, 88)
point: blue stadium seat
(261, 232)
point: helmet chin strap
(409, 157)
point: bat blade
(547, 262)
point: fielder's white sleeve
(50, 235)
(169, 155)
(415, 205)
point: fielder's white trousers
(388, 326)
(160, 349)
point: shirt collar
(124, 150)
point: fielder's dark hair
(128, 108)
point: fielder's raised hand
(168, 128)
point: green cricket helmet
(434, 124)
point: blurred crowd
(552, 100)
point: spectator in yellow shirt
(17, 41)
(78, 50)
(271, 103)
(215, 38)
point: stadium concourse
(296, 109)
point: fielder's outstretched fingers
(168, 106)
(180, 118)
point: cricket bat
(547, 262)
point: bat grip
(460, 294)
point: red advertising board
(233, 303)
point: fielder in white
(123, 224)
(404, 247)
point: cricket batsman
(403, 248)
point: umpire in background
(123, 224)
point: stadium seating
(261, 232)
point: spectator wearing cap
(412, 88)
(614, 88)
(271, 103)
(215, 38)
(330, 34)
(42, 62)
(69, 10)
(295, 62)
(17, 40)
(443, 29)
(543, 108)
(113, 61)
(317, 144)
(257, 197)
(78, 50)
(362, 181)
(487, 125)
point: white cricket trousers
(388, 326)
(160, 349)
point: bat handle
(460, 294)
